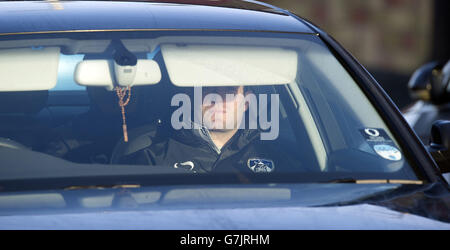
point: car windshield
(276, 107)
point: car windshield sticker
(258, 165)
(381, 143)
(388, 152)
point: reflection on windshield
(116, 198)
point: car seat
(19, 119)
(91, 136)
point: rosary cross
(121, 94)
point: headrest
(106, 101)
(29, 102)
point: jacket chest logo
(258, 165)
(188, 165)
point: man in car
(216, 141)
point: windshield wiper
(120, 186)
(406, 187)
(376, 181)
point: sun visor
(101, 73)
(28, 69)
(216, 65)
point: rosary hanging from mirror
(121, 94)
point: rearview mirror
(102, 73)
(440, 144)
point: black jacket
(194, 150)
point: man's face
(223, 107)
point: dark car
(429, 88)
(200, 115)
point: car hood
(363, 216)
(281, 206)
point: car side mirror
(440, 144)
(426, 84)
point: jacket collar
(199, 135)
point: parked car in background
(113, 123)
(429, 87)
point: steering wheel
(138, 139)
(6, 142)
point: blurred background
(391, 38)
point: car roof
(22, 17)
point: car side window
(67, 65)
